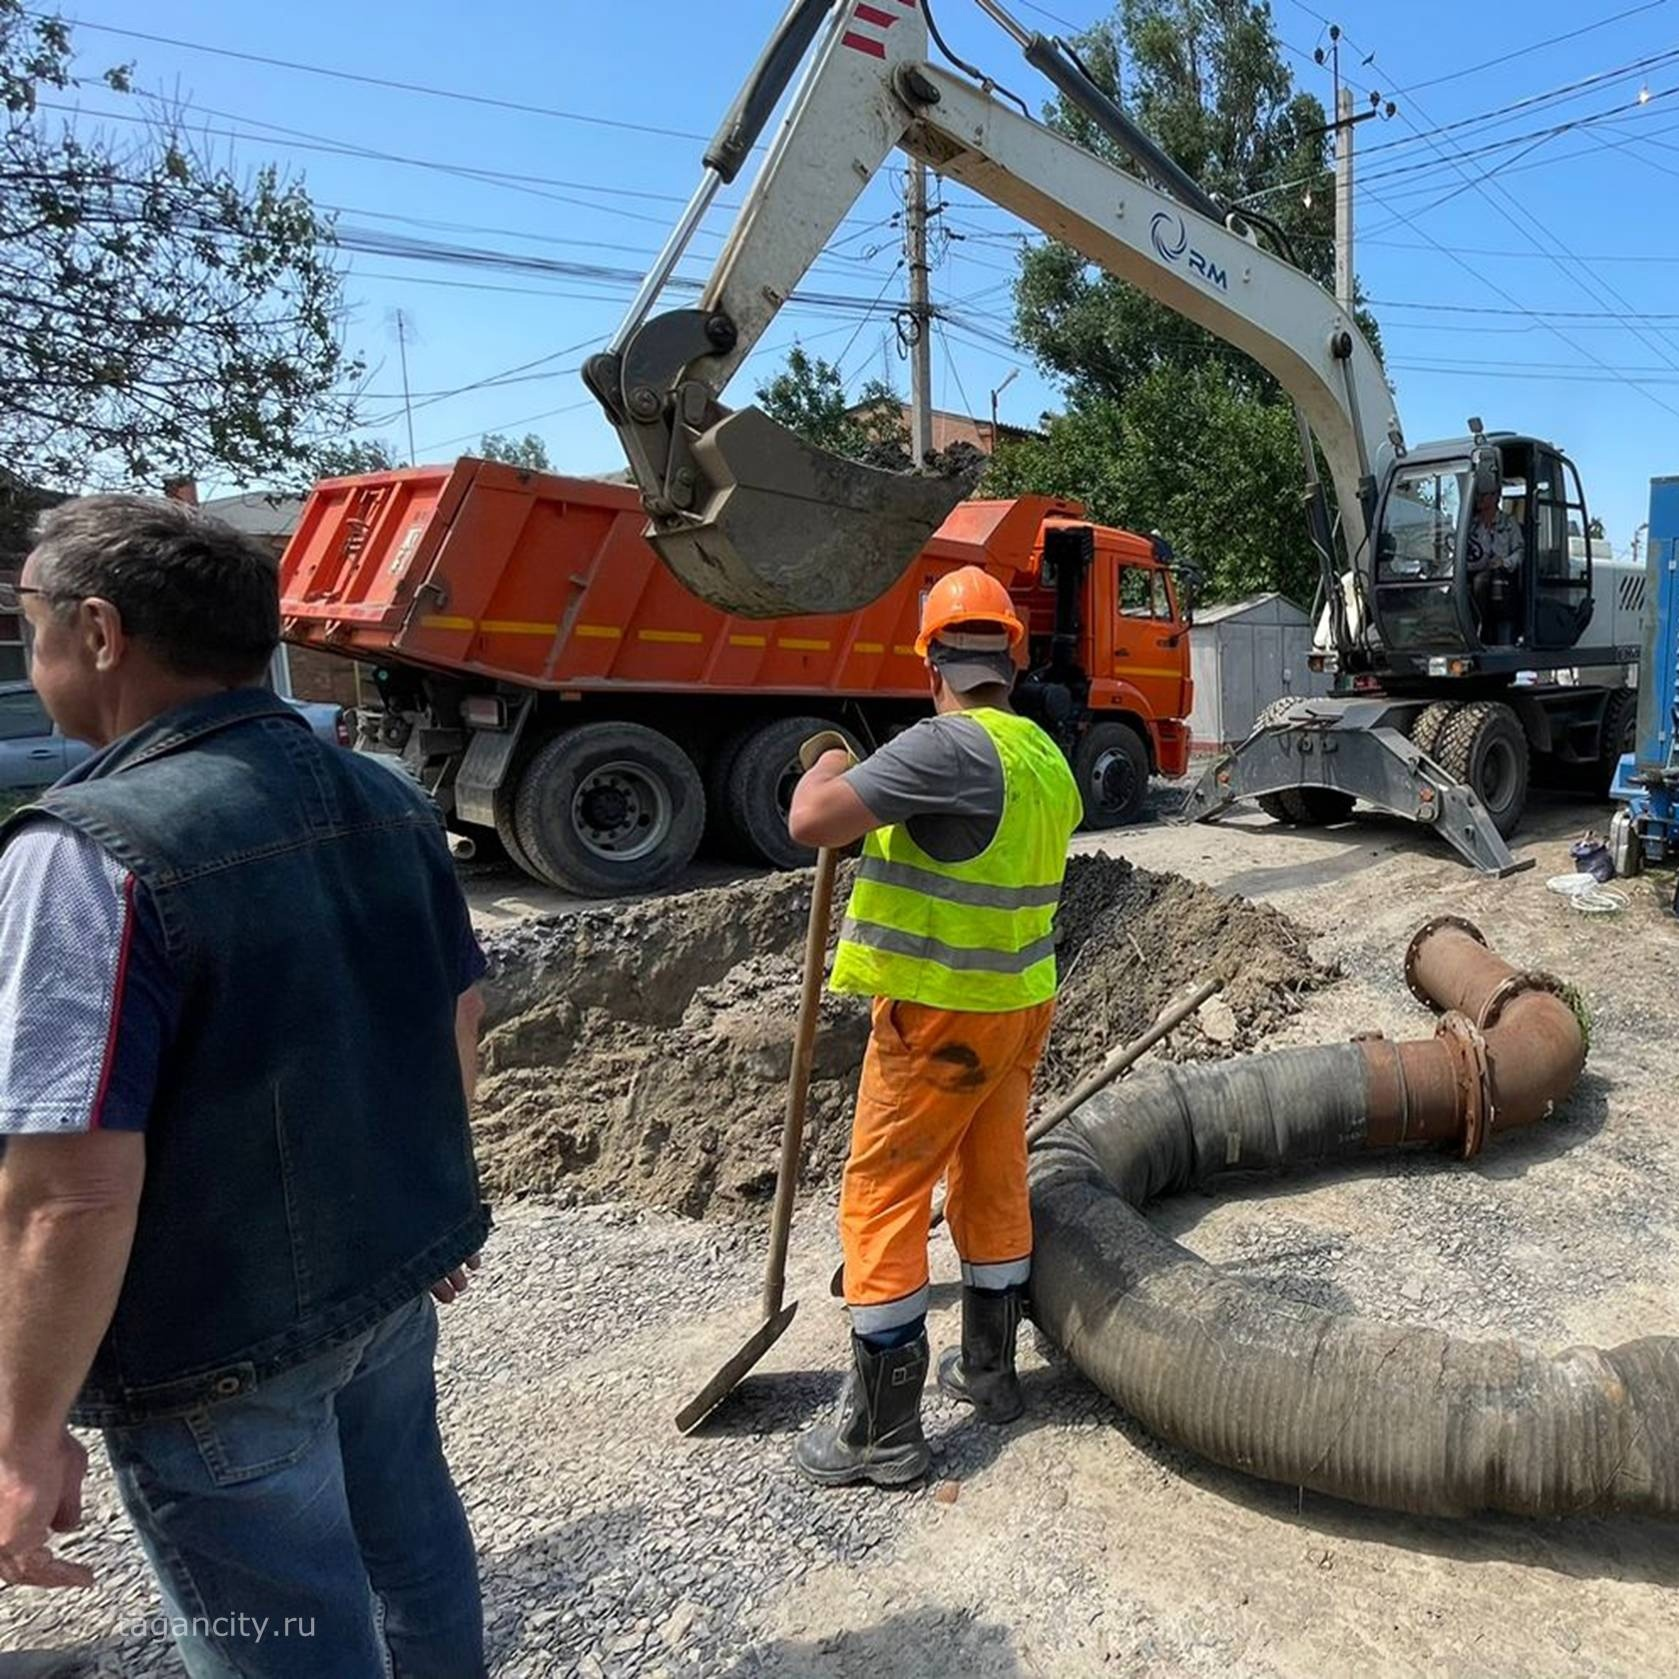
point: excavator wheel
(1299, 807)
(1619, 737)
(1485, 746)
(1428, 723)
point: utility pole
(921, 316)
(1343, 127)
(1008, 379)
(407, 404)
(1344, 130)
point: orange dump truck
(545, 676)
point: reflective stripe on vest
(978, 935)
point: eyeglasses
(11, 605)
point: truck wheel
(722, 837)
(1484, 746)
(609, 807)
(507, 828)
(760, 787)
(1428, 723)
(1620, 736)
(1110, 765)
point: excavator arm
(757, 522)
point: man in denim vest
(238, 1026)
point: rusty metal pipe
(1513, 1044)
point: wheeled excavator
(1446, 681)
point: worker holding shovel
(949, 929)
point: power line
(365, 80)
(1527, 234)
(1532, 47)
(1558, 314)
(1519, 256)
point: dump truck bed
(547, 581)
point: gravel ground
(1069, 1543)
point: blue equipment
(1646, 829)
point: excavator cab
(1475, 565)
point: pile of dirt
(641, 1050)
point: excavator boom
(757, 522)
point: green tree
(1190, 456)
(163, 316)
(1167, 426)
(808, 397)
(529, 451)
(349, 459)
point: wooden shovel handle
(798, 1078)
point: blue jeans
(309, 1529)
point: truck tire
(609, 807)
(760, 785)
(1427, 725)
(1620, 736)
(507, 828)
(1485, 746)
(722, 837)
(1110, 765)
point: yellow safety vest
(974, 936)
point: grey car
(33, 754)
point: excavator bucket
(781, 529)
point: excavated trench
(640, 1051)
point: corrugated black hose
(1399, 1417)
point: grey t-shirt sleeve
(943, 780)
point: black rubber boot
(875, 1434)
(982, 1373)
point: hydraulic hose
(1399, 1417)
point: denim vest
(308, 1161)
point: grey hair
(203, 597)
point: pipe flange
(1515, 986)
(1474, 1079)
(1427, 930)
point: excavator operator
(965, 820)
(1495, 551)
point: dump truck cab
(1484, 565)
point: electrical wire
(365, 80)
(1532, 47)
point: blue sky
(1531, 282)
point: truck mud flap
(1354, 751)
(484, 766)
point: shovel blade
(784, 529)
(730, 1376)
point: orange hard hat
(967, 596)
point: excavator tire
(1619, 737)
(1428, 723)
(1299, 807)
(605, 808)
(1319, 806)
(1485, 746)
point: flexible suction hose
(1402, 1418)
